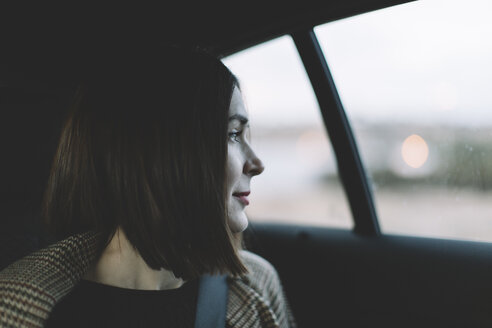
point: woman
(147, 193)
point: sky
(427, 62)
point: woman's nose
(253, 166)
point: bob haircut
(144, 148)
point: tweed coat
(30, 287)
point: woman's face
(242, 164)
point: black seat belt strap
(212, 301)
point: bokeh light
(414, 151)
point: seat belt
(212, 301)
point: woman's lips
(242, 197)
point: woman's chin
(238, 223)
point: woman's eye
(235, 135)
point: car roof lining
(219, 29)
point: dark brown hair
(144, 148)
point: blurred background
(415, 82)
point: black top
(91, 304)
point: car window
(415, 81)
(300, 183)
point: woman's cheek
(234, 163)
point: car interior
(333, 277)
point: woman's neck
(122, 266)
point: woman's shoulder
(262, 287)
(262, 275)
(31, 286)
(257, 265)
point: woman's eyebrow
(240, 118)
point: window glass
(415, 82)
(299, 184)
